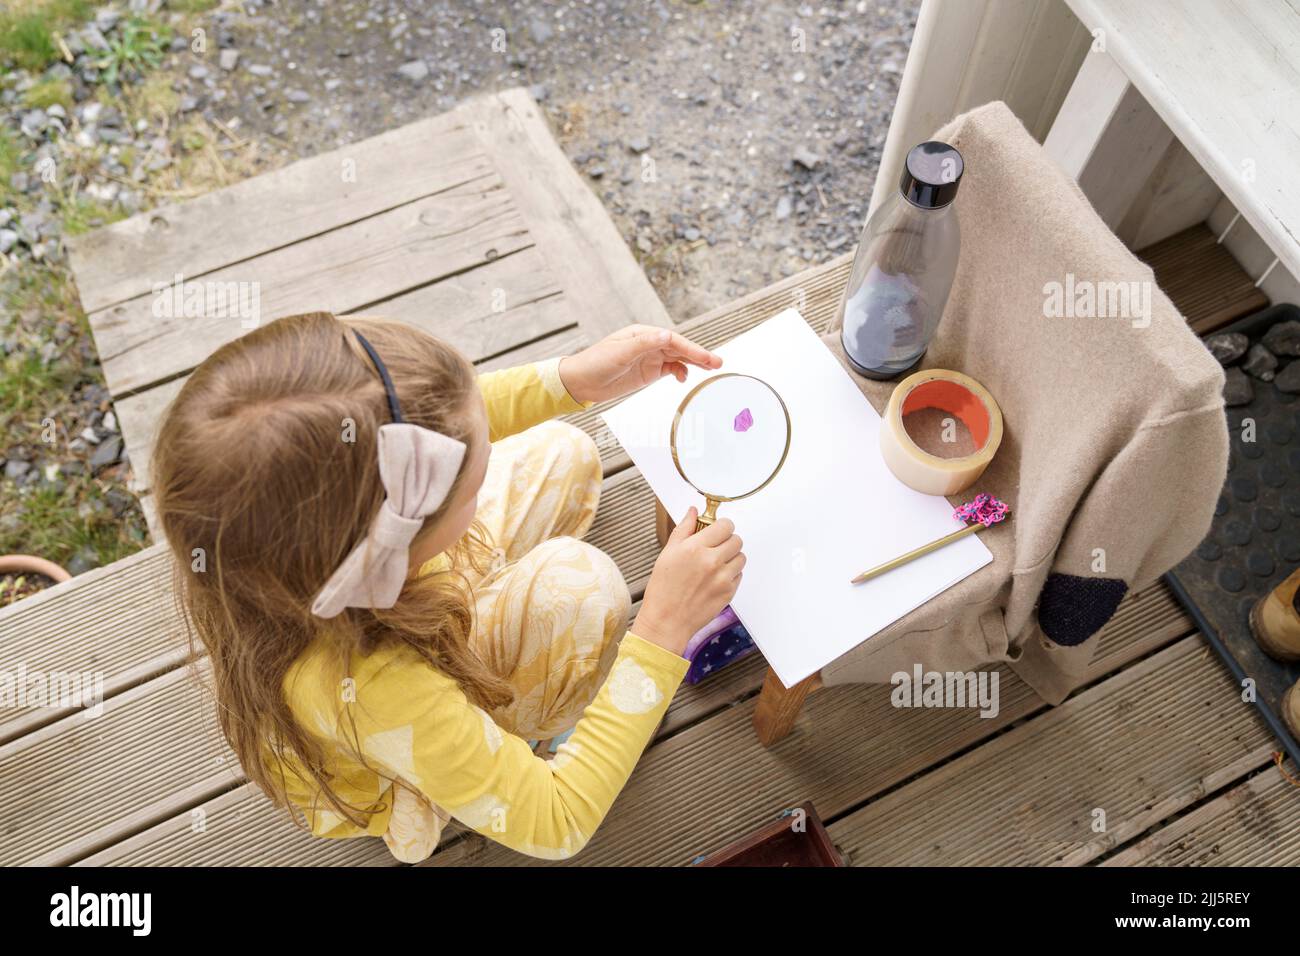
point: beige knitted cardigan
(1116, 439)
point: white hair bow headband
(417, 467)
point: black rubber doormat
(1254, 541)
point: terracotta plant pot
(30, 564)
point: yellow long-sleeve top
(414, 723)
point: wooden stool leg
(663, 523)
(778, 706)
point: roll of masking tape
(957, 398)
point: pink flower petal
(744, 421)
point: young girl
(380, 552)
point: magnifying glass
(730, 436)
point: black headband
(394, 408)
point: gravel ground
(732, 143)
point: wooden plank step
(119, 622)
(564, 217)
(1140, 746)
(458, 309)
(473, 225)
(624, 529)
(1202, 279)
(260, 833)
(345, 270)
(238, 828)
(122, 621)
(84, 782)
(716, 782)
(268, 212)
(1256, 823)
(242, 827)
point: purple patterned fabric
(722, 641)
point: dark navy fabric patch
(1072, 609)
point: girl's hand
(626, 360)
(695, 577)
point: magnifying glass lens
(731, 436)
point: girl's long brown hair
(265, 478)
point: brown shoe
(1275, 621)
(1291, 710)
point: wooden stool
(778, 705)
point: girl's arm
(418, 725)
(617, 365)
(524, 396)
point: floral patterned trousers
(549, 613)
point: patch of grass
(74, 516)
(206, 158)
(194, 134)
(192, 6)
(84, 214)
(134, 49)
(35, 298)
(55, 523)
(152, 98)
(26, 380)
(11, 160)
(28, 42)
(46, 93)
(27, 29)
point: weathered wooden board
(461, 309)
(83, 782)
(472, 225)
(118, 621)
(1217, 76)
(260, 833)
(1256, 823)
(566, 220)
(345, 270)
(253, 217)
(237, 828)
(1138, 748)
(1203, 279)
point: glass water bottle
(904, 266)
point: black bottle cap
(931, 175)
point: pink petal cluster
(985, 509)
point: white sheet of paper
(834, 509)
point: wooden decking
(1158, 741)
(471, 224)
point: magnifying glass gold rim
(709, 515)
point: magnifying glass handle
(709, 515)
